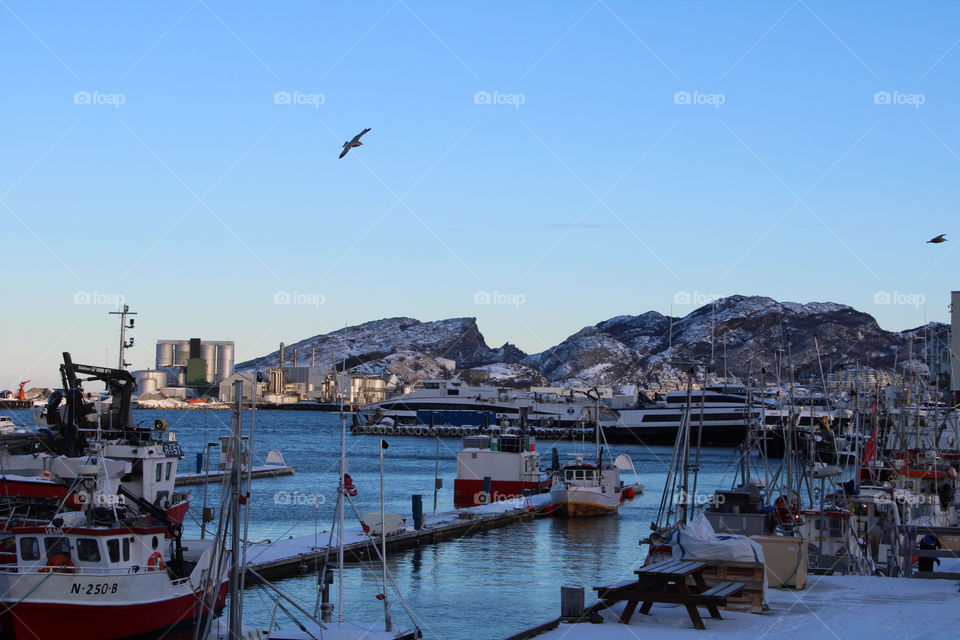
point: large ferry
(725, 413)
(447, 397)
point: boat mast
(122, 363)
(340, 514)
(236, 602)
(388, 623)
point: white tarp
(699, 541)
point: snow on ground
(830, 608)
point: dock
(217, 475)
(303, 554)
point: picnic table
(667, 582)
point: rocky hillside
(739, 334)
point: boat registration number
(94, 588)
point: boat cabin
(83, 550)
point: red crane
(21, 396)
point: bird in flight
(350, 144)
(940, 238)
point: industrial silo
(208, 351)
(224, 360)
(150, 381)
(182, 353)
(164, 354)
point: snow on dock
(216, 475)
(847, 607)
(293, 556)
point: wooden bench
(666, 582)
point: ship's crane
(21, 394)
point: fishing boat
(582, 488)
(99, 573)
(492, 469)
(43, 463)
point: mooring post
(571, 603)
(199, 462)
(487, 482)
(417, 511)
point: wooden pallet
(751, 574)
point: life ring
(59, 563)
(155, 562)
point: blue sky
(571, 160)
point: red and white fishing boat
(43, 464)
(493, 469)
(72, 577)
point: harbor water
(486, 585)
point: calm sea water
(487, 585)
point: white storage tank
(182, 353)
(150, 381)
(164, 355)
(224, 361)
(208, 351)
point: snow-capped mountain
(739, 335)
(381, 345)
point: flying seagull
(350, 144)
(940, 238)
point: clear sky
(542, 166)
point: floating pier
(303, 554)
(216, 475)
(541, 433)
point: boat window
(29, 549)
(57, 545)
(113, 549)
(88, 550)
(159, 471)
(453, 392)
(431, 385)
(126, 549)
(169, 470)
